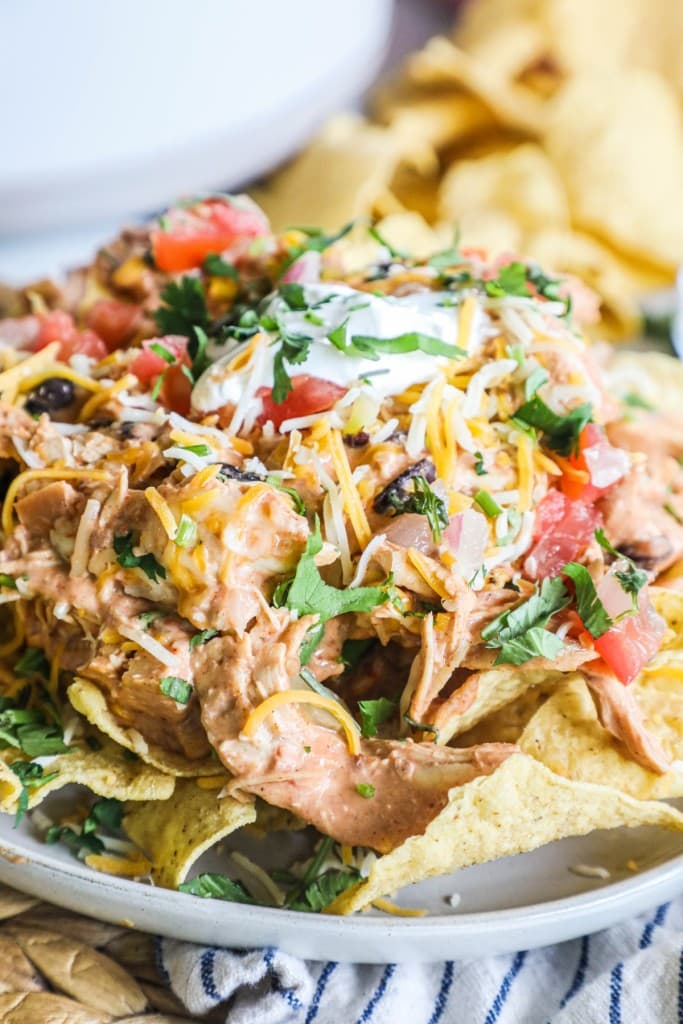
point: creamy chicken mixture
(289, 510)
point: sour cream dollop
(329, 306)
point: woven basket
(57, 967)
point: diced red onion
(606, 464)
(305, 269)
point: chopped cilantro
(366, 790)
(421, 726)
(127, 559)
(561, 432)
(517, 631)
(7, 581)
(308, 594)
(589, 606)
(369, 347)
(299, 503)
(374, 713)
(294, 295)
(216, 887)
(147, 618)
(479, 467)
(31, 777)
(353, 651)
(294, 349)
(32, 663)
(106, 813)
(202, 637)
(422, 502)
(536, 379)
(176, 688)
(636, 401)
(395, 253)
(632, 579)
(185, 312)
(548, 287)
(218, 267)
(511, 280)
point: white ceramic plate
(515, 903)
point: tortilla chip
(522, 806)
(624, 191)
(174, 833)
(87, 699)
(508, 723)
(107, 772)
(655, 377)
(432, 121)
(566, 736)
(336, 179)
(441, 63)
(521, 184)
(491, 690)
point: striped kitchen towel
(630, 974)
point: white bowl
(113, 109)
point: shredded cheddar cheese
(423, 564)
(277, 700)
(352, 503)
(392, 908)
(161, 507)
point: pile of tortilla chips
(552, 128)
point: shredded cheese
(161, 507)
(103, 396)
(12, 378)
(81, 551)
(42, 474)
(466, 321)
(525, 471)
(352, 503)
(392, 908)
(423, 564)
(125, 867)
(149, 644)
(276, 700)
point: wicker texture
(57, 967)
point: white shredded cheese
(590, 871)
(365, 559)
(149, 644)
(86, 525)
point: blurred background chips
(553, 128)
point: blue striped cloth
(629, 974)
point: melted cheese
(278, 700)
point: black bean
(398, 488)
(52, 394)
(234, 473)
(358, 440)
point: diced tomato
(114, 321)
(176, 390)
(308, 396)
(563, 529)
(148, 365)
(210, 225)
(596, 466)
(631, 643)
(59, 326)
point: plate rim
(479, 933)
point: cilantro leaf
(32, 663)
(395, 253)
(319, 893)
(202, 637)
(589, 606)
(561, 432)
(147, 618)
(299, 503)
(632, 579)
(218, 267)
(294, 350)
(366, 790)
(374, 713)
(423, 502)
(548, 287)
(185, 312)
(370, 347)
(536, 379)
(537, 642)
(511, 280)
(106, 812)
(479, 467)
(31, 777)
(517, 631)
(353, 651)
(29, 730)
(176, 688)
(294, 295)
(127, 559)
(316, 241)
(7, 581)
(217, 887)
(308, 594)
